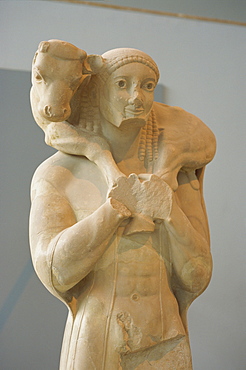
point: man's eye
(149, 86)
(121, 83)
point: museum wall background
(203, 71)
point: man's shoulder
(58, 168)
(62, 171)
(49, 167)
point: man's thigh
(176, 356)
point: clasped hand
(148, 201)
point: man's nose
(135, 98)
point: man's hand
(148, 201)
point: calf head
(58, 70)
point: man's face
(128, 93)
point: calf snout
(56, 114)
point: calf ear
(43, 46)
(93, 64)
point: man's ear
(92, 64)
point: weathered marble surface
(118, 225)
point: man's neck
(123, 140)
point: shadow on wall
(160, 94)
(15, 293)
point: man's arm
(189, 237)
(69, 249)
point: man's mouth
(132, 110)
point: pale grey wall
(22, 22)
(233, 10)
(202, 70)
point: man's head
(127, 83)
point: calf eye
(38, 77)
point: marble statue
(118, 226)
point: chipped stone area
(132, 335)
(169, 355)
